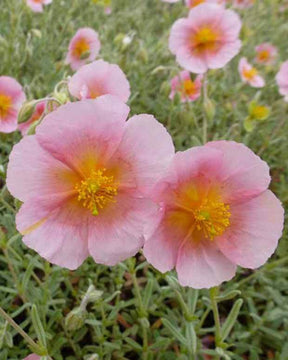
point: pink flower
(33, 357)
(38, 112)
(83, 178)
(188, 89)
(11, 99)
(83, 48)
(266, 54)
(282, 80)
(207, 39)
(170, 1)
(215, 213)
(99, 78)
(193, 3)
(37, 5)
(243, 4)
(249, 74)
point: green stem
(7, 205)
(142, 313)
(213, 293)
(205, 97)
(25, 336)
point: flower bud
(75, 319)
(209, 109)
(26, 111)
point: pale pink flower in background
(266, 54)
(171, 1)
(108, 10)
(243, 4)
(249, 74)
(282, 80)
(193, 3)
(37, 113)
(37, 5)
(216, 212)
(188, 89)
(99, 78)
(84, 178)
(83, 48)
(207, 39)
(33, 357)
(12, 97)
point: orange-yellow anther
(96, 191)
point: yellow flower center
(5, 104)
(194, 3)
(188, 87)
(96, 191)
(264, 55)
(199, 211)
(249, 74)
(81, 48)
(212, 218)
(204, 39)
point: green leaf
(174, 331)
(231, 319)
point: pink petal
(161, 247)
(101, 78)
(59, 235)
(243, 174)
(93, 129)
(256, 227)
(117, 234)
(148, 149)
(203, 265)
(34, 172)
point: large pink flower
(83, 179)
(99, 78)
(266, 54)
(37, 5)
(249, 74)
(193, 3)
(215, 213)
(83, 48)
(189, 90)
(11, 99)
(207, 39)
(37, 113)
(33, 357)
(282, 80)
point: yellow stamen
(250, 74)
(96, 191)
(264, 55)
(189, 87)
(205, 38)
(194, 3)
(212, 218)
(5, 104)
(81, 47)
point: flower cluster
(93, 183)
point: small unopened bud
(75, 319)
(209, 109)
(26, 111)
(249, 124)
(37, 33)
(92, 357)
(143, 55)
(32, 128)
(62, 97)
